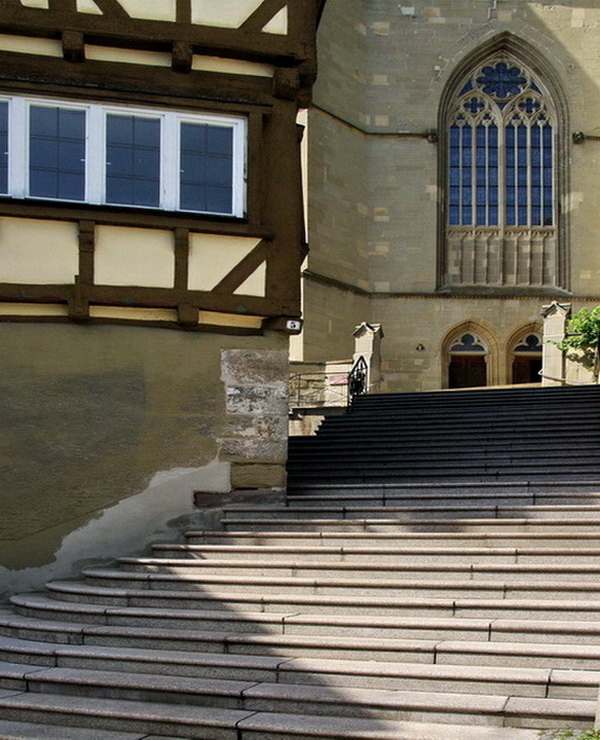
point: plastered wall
(226, 14)
(122, 425)
(383, 70)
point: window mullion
(239, 167)
(516, 178)
(529, 178)
(170, 162)
(460, 176)
(96, 154)
(487, 175)
(18, 139)
(474, 174)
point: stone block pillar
(555, 317)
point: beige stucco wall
(226, 14)
(383, 70)
(38, 251)
(95, 416)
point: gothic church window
(501, 192)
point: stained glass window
(501, 143)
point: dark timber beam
(118, 29)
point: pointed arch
(457, 343)
(503, 171)
(524, 353)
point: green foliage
(581, 340)
(592, 733)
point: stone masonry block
(254, 367)
(266, 427)
(257, 400)
(255, 449)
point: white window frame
(95, 145)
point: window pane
(206, 168)
(57, 153)
(3, 147)
(133, 160)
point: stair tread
(287, 725)
(316, 666)
(279, 618)
(35, 731)
(248, 691)
(155, 565)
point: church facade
(453, 184)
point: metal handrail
(564, 380)
(358, 379)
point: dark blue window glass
(206, 164)
(501, 150)
(547, 174)
(501, 80)
(4, 147)
(57, 153)
(454, 176)
(132, 160)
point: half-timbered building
(151, 238)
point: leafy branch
(582, 339)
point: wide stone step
(309, 646)
(445, 473)
(483, 525)
(33, 731)
(440, 584)
(307, 671)
(298, 699)
(347, 538)
(321, 445)
(320, 455)
(453, 510)
(490, 426)
(542, 492)
(201, 723)
(486, 395)
(433, 500)
(485, 618)
(396, 555)
(172, 569)
(501, 504)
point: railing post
(367, 344)
(358, 379)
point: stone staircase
(432, 574)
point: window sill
(130, 216)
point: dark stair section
(503, 436)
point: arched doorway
(467, 366)
(527, 359)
